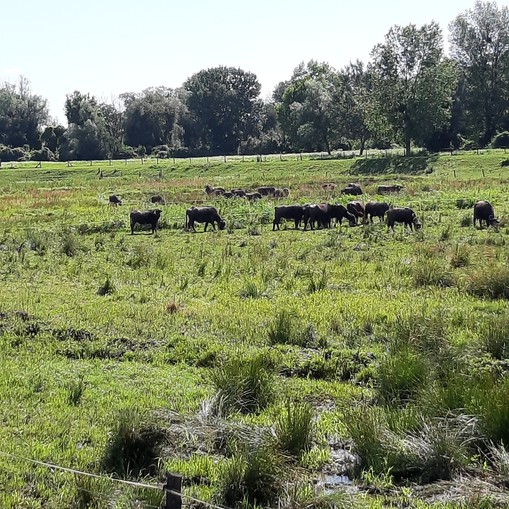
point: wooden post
(454, 171)
(174, 161)
(90, 163)
(173, 483)
(483, 173)
(224, 159)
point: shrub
(132, 449)
(76, 389)
(491, 281)
(70, 244)
(244, 385)
(466, 221)
(107, 288)
(295, 428)
(45, 154)
(460, 256)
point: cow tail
(187, 219)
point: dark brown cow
(239, 192)
(385, 189)
(375, 209)
(318, 214)
(228, 194)
(207, 215)
(356, 208)
(150, 217)
(290, 212)
(483, 211)
(403, 215)
(114, 200)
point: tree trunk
(407, 136)
(361, 149)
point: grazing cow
(356, 208)
(207, 215)
(318, 214)
(340, 212)
(286, 192)
(352, 189)
(239, 192)
(253, 196)
(403, 215)
(150, 217)
(278, 193)
(228, 194)
(291, 212)
(395, 188)
(483, 211)
(114, 200)
(266, 190)
(214, 191)
(374, 209)
(157, 198)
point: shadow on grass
(412, 165)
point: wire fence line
(159, 487)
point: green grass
(376, 334)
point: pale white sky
(106, 47)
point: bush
(288, 329)
(70, 243)
(45, 154)
(9, 154)
(295, 428)
(431, 273)
(133, 446)
(244, 385)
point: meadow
(345, 367)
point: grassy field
(350, 367)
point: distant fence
(260, 158)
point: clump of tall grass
(460, 257)
(490, 281)
(133, 445)
(401, 375)
(253, 476)
(140, 256)
(295, 428)
(466, 220)
(75, 391)
(432, 272)
(37, 242)
(317, 283)
(288, 329)
(494, 337)
(70, 245)
(243, 385)
(250, 290)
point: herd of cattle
(321, 215)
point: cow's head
(493, 221)
(222, 225)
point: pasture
(342, 367)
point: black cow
(114, 200)
(150, 217)
(291, 212)
(318, 214)
(402, 215)
(253, 196)
(356, 208)
(395, 188)
(374, 209)
(483, 211)
(239, 192)
(267, 190)
(157, 198)
(340, 212)
(352, 189)
(214, 191)
(207, 215)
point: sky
(107, 47)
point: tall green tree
(480, 44)
(414, 83)
(154, 117)
(22, 114)
(221, 101)
(308, 111)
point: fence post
(173, 483)
(224, 158)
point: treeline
(409, 94)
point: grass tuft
(295, 428)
